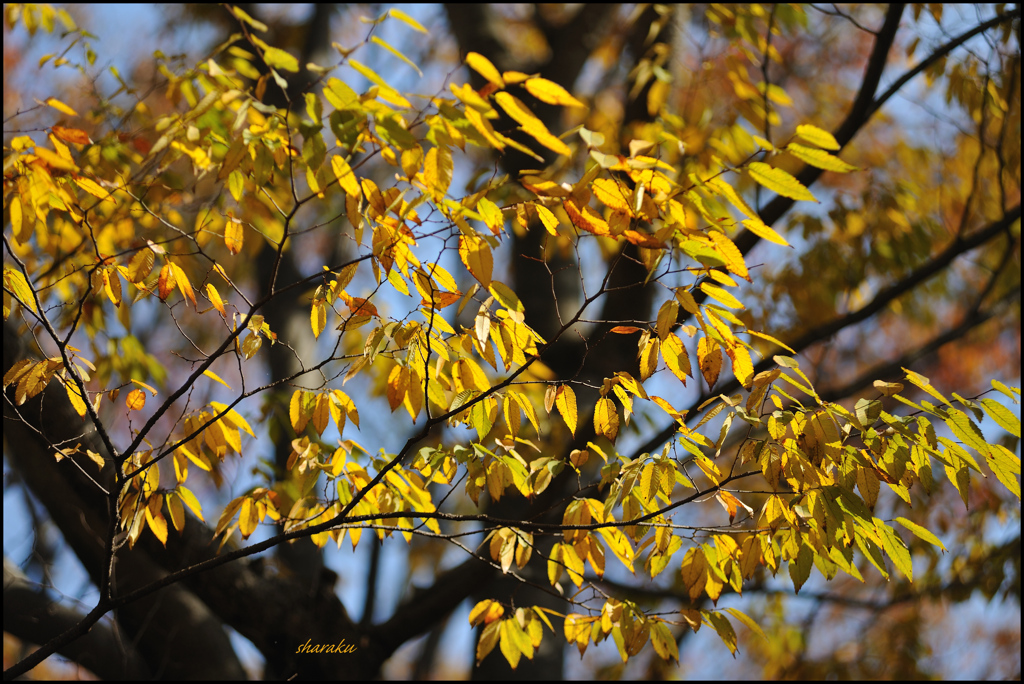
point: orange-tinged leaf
(551, 93)
(486, 611)
(483, 66)
(233, 236)
(585, 218)
(565, 401)
(779, 181)
(135, 400)
(624, 329)
(71, 135)
(166, 282)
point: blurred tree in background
(496, 280)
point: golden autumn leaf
(709, 357)
(565, 401)
(233, 236)
(551, 93)
(135, 400)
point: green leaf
(779, 181)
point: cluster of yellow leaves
(823, 463)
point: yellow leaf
(565, 401)
(819, 158)
(318, 317)
(721, 294)
(676, 358)
(60, 106)
(233, 236)
(488, 640)
(606, 418)
(530, 123)
(210, 374)
(732, 255)
(136, 400)
(76, 399)
(94, 189)
(396, 53)
(763, 231)
(695, 572)
(547, 218)
(817, 136)
(437, 172)
(476, 255)
(483, 126)
(483, 66)
(15, 282)
(191, 501)
(550, 92)
(742, 366)
(779, 181)
(346, 179)
(386, 91)
(709, 356)
(612, 195)
(402, 16)
(184, 286)
(507, 641)
(215, 299)
(486, 611)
